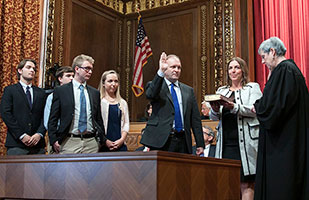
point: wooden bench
(134, 135)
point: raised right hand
(163, 62)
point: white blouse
(125, 122)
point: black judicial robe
(283, 112)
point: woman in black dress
(238, 129)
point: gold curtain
(19, 38)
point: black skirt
(230, 145)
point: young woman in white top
(114, 111)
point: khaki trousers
(75, 145)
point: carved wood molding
(120, 33)
(128, 60)
(61, 33)
(116, 5)
(229, 50)
(120, 55)
(141, 5)
(223, 38)
(203, 49)
(132, 141)
(135, 6)
(49, 41)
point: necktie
(178, 121)
(29, 96)
(82, 123)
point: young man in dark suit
(174, 111)
(77, 105)
(22, 109)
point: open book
(217, 97)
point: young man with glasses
(77, 106)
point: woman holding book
(238, 130)
(114, 111)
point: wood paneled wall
(94, 32)
(203, 33)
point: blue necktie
(82, 123)
(178, 121)
(29, 96)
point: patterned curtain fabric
(19, 38)
(288, 20)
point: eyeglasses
(87, 69)
(209, 134)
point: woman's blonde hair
(244, 69)
(102, 88)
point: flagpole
(142, 53)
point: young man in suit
(64, 75)
(77, 106)
(210, 149)
(22, 109)
(174, 111)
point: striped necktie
(82, 123)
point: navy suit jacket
(19, 117)
(160, 123)
(63, 108)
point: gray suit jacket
(160, 123)
(247, 122)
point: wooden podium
(120, 175)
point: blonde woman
(114, 111)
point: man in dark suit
(22, 109)
(77, 105)
(210, 149)
(174, 111)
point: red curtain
(288, 20)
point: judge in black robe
(283, 112)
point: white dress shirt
(76, 92)
(206, 150)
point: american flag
(142, 53)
